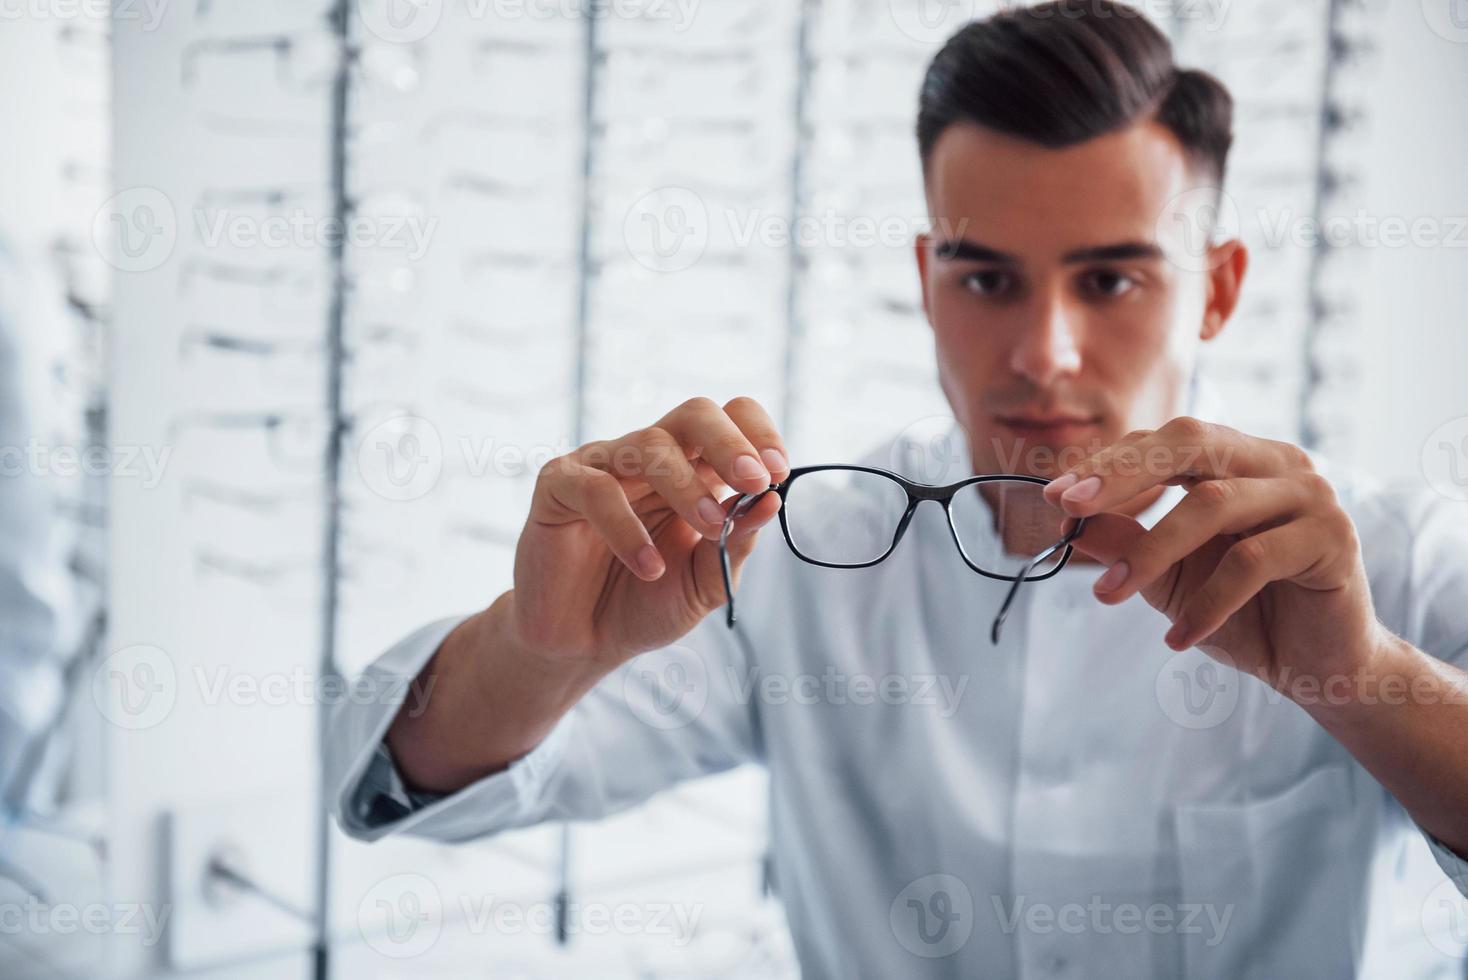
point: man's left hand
(1258, 565)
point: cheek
(969, 350)
(959, 327)
(1145, 364)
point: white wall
(1414, 320)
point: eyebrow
(1114, 253)
(963, 250)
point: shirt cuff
(383, 804)
(382, 794)
(1452, 863)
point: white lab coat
(1077, 801)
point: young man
(1065, 804)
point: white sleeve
(1438, 598)
(669, 715)
(1435, 619)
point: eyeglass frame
(916, 494)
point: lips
(1046, 421)
(1055, 430)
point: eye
(988, 282)
(1107, 283)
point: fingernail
(774, 460)
(1083, 491)
(710, 511)
(1061, 483)
(1113, 577)
(1175, 635)
(650, 561)
(748, 468)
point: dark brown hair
(1064, 72)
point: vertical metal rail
(1309, 437)
(794, 326)
(327, 670)
(585, 268)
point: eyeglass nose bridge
(913, 499)
(918, 492)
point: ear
(923, 250)
(1228, 261)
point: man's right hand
(620, 553)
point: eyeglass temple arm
(740, 508)
(724, 566)
(1033, 563)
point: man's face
(1060, 319)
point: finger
(707, 574)
(1250, 564)
(1184, 451)
(701, 426)
(1211, 508)
(648, 500)
(654, 456)
(1106, 537)
(741, 535)
(760, 430)
(576, 491)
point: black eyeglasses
(841, 516)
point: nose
(1047, 348)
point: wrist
(532, 689)
(1390, 673)
(496, 635)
